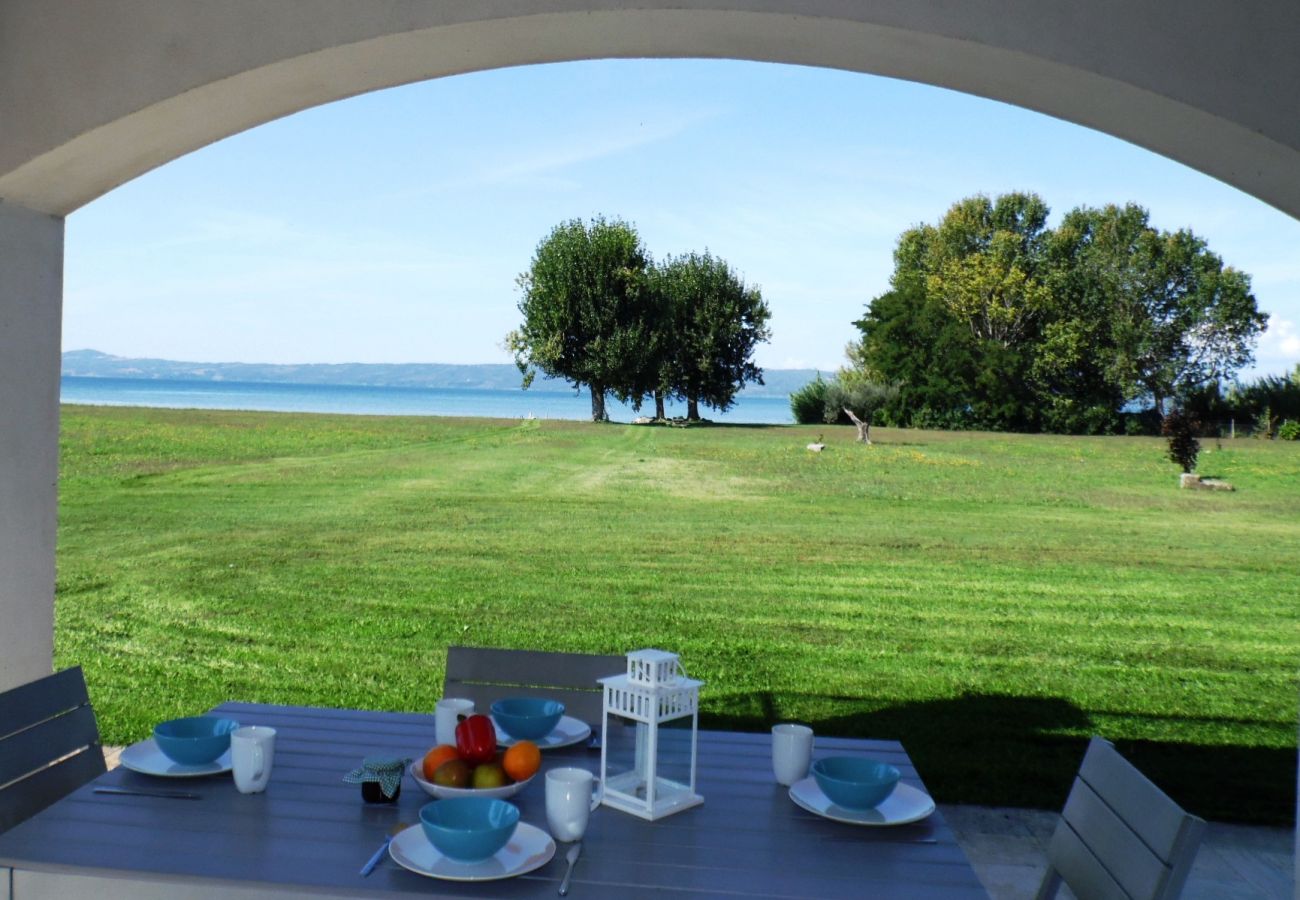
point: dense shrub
(1256, 406)
(1141, 422)
(944, 420)
(1289, 431)
(1180, 430)
(808, 404)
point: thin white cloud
(535, 166)
(227, 227)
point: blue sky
(391, 227)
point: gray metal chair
(49, 744)
(1120, 836)
(485, 674)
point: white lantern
(649, 738)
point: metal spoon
(571, 857)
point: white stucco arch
(93, 94)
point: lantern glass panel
(675, 753)
(625, 742)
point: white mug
(570, 801)
(252, 750)
(447, 714)
(791, 752)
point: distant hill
(502, 376)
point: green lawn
(991, 600)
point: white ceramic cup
(447, 714)
(572, 795)
(791, 752)
(252, 750)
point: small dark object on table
(380, 778)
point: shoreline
(468, 402)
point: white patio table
(309, 833)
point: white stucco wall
(93, 93)
(31, 298)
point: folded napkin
(387, 770)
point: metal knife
(138, 792)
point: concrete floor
(1008, 848)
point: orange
(522, 760)
(436, 757)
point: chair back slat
(25, 798)
(25, 752)
(1157, 820)
(49, 744)
(486, 674)
(1120, 835)
(1079, 866)
(24, 706)
(1113, 842)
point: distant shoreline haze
(486, 376)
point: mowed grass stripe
(991, 600)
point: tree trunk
(692, 409)
(864, 427)
(659, 406)
(598, 413)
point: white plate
(529, 848)
(906, 804)
(147, 759)
(437, 790)
(567, 732)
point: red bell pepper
(476, 740)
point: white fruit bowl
(441, 792)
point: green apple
(489, 775)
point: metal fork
(570, 857)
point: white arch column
(31, 303)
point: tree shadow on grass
(1005, 750)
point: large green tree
(1151, 315)
(588, 316)
(966, 298)
(1064, 326)
(984, 261)
(717, 321)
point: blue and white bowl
(469, 829)
(527, 718)
(855, 783)
(194, 741)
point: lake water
(387, 401)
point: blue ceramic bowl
(194, 741)
(469, 829)
(527, 718)
(855, 783)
